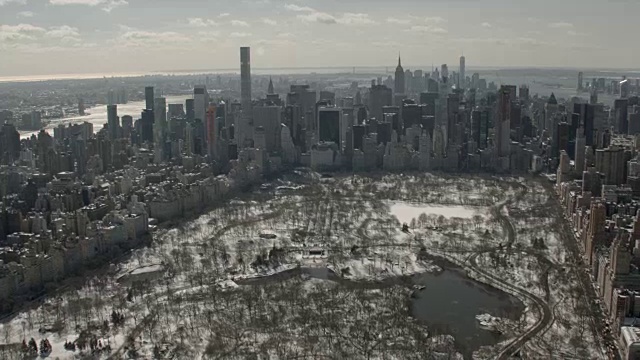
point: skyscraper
(379, 96)
(270, 89)
(621, 108)
(503, 125)
(444, 72)
(580, 80)
(146, 131)
(200, 102)
(210, 126)
(399, 85)
(329, 119)
(245, 80)
(160, 120)
(462, 83)
(148, 97)
(113, 123)
(9, 143)
(189, 109)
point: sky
(44, 37)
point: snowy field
(188, 295)
(405, 212)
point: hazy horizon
(276, 71)
(44, 37)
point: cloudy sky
(118, 36)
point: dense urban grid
(315, 219)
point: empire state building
(399, 80)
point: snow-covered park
(238, 281)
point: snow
(227, 284)
(376, 268)
(487, 321)
(405, 212)
(148, 269)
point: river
(98, 115)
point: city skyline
(104, 36)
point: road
(543, 322)
(546, 314)
(580, 268)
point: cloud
(427, 29)
(106, 5)
(296, 8)
(208, 36)
(270, 22)
(26, 14)
(486, 25)
(434, 20)
(20, 32)
(141, 38)
(239, 23)
(355, 19)
(5, 2)
(318, 17)
(200, 22)
(275, 42)
(285, 35)
(350, 19)
(223, 15)
(393, 20)
(240, 34)
(428, 19)
(575, 33)
(561, 25)
(512, 42)
(63, 31)
(27, 33)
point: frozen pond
(450, 303)
(405, 212)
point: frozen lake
(450, 303)
(405, 212)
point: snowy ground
(405, 212)
(197, 308)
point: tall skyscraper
(245, 80)
(580, 80)
(9, 143)
(270, 89)
(200, 102)
(146, 131)
(211, 129)
(579, 153)
(189, 109)
(329, 119)
(113, 123)
(399, 85)
(621, 108)
(148, 97)
(503, 123)
(160, 120)
(269, 118)
(462, 83)
(379, 96)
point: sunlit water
(98, 114)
